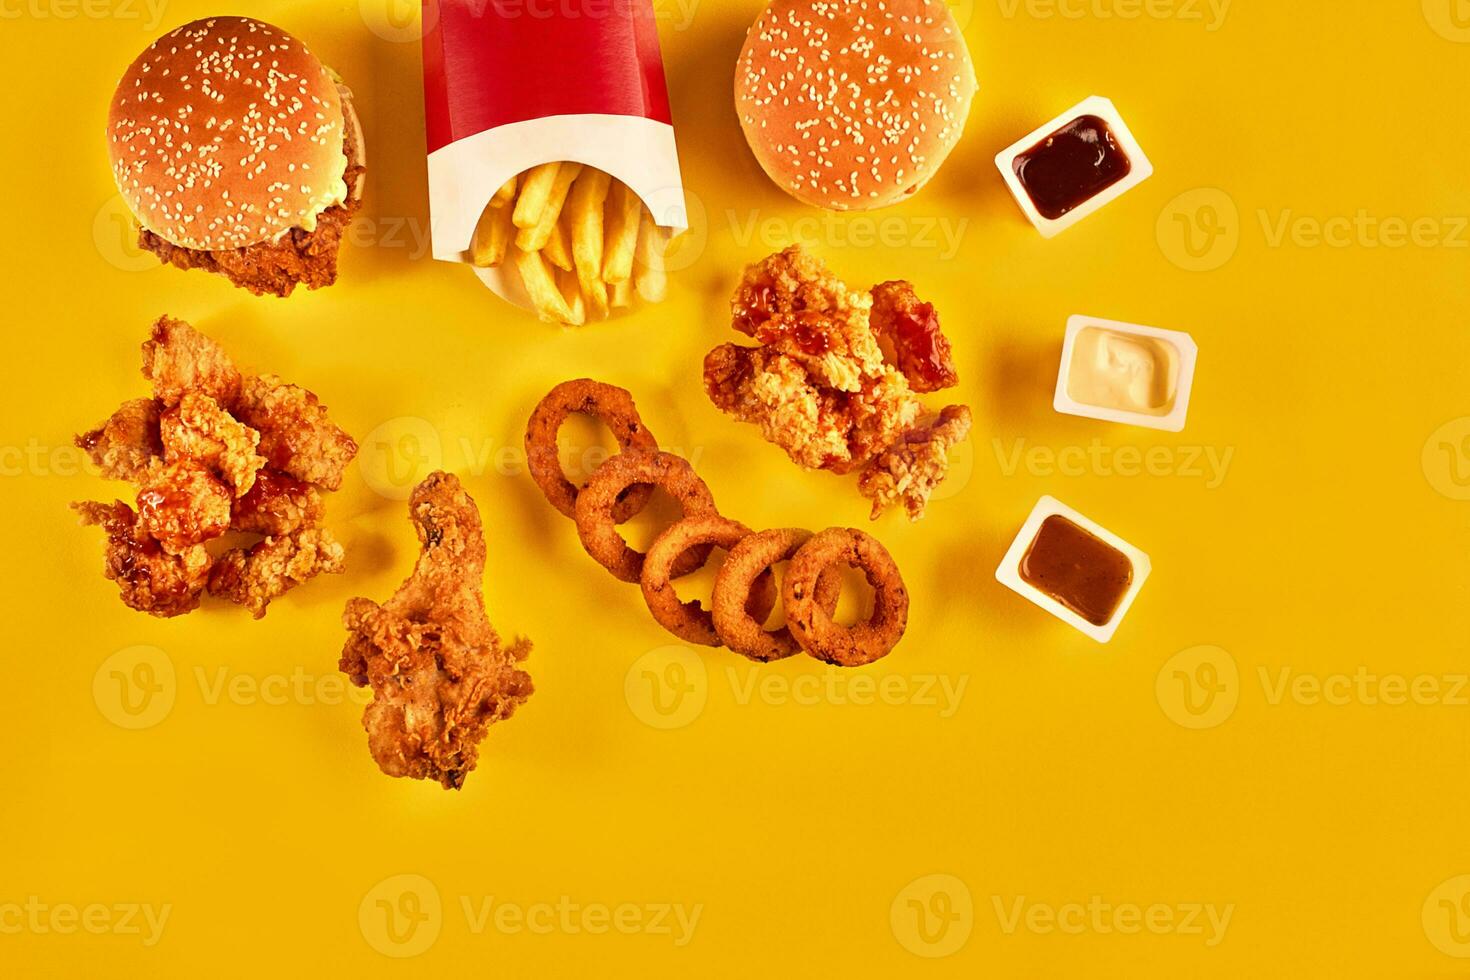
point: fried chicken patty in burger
(852, 105)
(239, 153)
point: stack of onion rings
(744, 592)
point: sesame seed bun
(226, 133)
(853, 105)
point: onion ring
(814, 627)
(608, 403)
(598, 500)
(749, 562)
(689, 620)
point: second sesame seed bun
(227, 132)
(854, 104)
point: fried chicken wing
(273, 567)
(124, 446)
(198, 428)
(911, 469)
(296, 437)
(277, 504)
(178, 359)
(181, 504)
(150, 579)
(908, 331)
(439, 673)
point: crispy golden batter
(439, 672)
(150, 579)
(124, 445)
(795, 307)
(178, 358)
(911, 469)
(277, 504)
(181, 504)
(273, 567)
(198, 429)
(818, 387)
(296, 437)
(213, 452)
(908, 332)
(834, 380)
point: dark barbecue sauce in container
(1071, 166)
(1077, 569)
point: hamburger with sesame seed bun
(239, 153)
(852, 105)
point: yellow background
(800, 827)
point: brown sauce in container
(1077, 569)
(1071, 166)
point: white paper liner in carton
(505, 91)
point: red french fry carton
(510, 84)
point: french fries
(535, 237)
(649, 277)
(492, 235)
(624, 212)
(582, 243)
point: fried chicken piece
(818, 427)
(795, 306)
(277, 504)
(912, 469)
(150, 579)
(198, 429)
(124, 446)
(834, 381)
(274, 566)
(909, 334)
(177, 359)
(818, 386)
(296, 437)
(439, 672)
(181, 504)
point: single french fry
(595, 290)
(534, 239)
(535, 190)
(546, 296)
(623, 210)
(572, 295)
(492, 236)
(620, 294)
(557, 251)
(506, 194)
(649, 277)
(585, 209)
